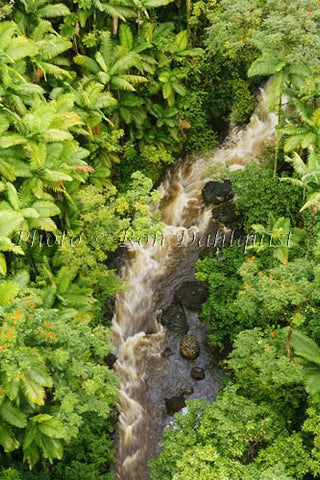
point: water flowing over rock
(153, 274)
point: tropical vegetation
(97, 99)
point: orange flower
(47, 324)
(1, 389)
(31, 315)
(309, 12)
(14, 325)
(53, 335)
(47, 334)
(32, 306)
(253, 257)
(16, 314)
(31, 350)
(40, 330)
(10, 333)
(20, 375)
(260, 272)
(2, 347)
(273, 334)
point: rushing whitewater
(136, 332)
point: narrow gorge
(154, 272)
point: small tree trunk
(288, 344)
(188, 15)
(115, 24)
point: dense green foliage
(97, 98)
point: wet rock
(186, 390)
(174, 319)
(174, 404)
(192, 295)
(167, 352)
(189, 347)
(216, 193)
(197, 373)
(115, 259)
(111, 360)
(109, 308)
(227, 215)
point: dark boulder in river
(197, 373)
(174, 404)
(174, 319)
(192, 295)
(227, 215)
(216, 192)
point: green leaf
(3, 265)
(157, 3)
(8, 291)
(46, 224)
(181, 40)
(42, 417)
(8, 440)
(29, 437)
(10, 222)
(40, 376)
(53, 10)
(31, 454)
(312, 379)
(263, 66)
(305, 347)
(51, 447)
(6, 245)
(33, 391)
(46, 209)
(20, 48)
(126, 37)
(56, 135)
(87, 63)
(11, 140)
(13, 196)
(12, 415)
(52, 428)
